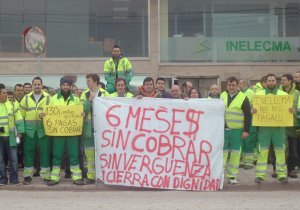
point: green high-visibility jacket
(31, 110)
(87, 108)
(234, 115)
(113, 70)
(12, 121)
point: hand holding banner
(63, 120)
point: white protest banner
(160, 143)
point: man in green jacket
(11, 127)
(87, 99)
(268, 135)
(249, 144)
(66, 98)
(31, 108)
(117, 67)
(289, 87)
(237, 125)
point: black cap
(66, 80)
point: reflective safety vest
(127, 95)
(58, 99)
(124, 70)
(249, 93)
(234, 115)
(257, 87)
(87, 108)
(11, 120)
(31, 110)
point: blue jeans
(12, 158)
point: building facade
(201, 41)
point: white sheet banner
(160, 143)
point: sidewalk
(245, 183)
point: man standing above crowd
(65, 98)
(266, 135)
(87, 98)
(161, 85)
(117, 67)
(237, 125)
(289, 87)
(10, 118)
(249, 144)
(148, 90)
(19, 92)
(31, 108)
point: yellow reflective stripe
(235, 151)
(3, 117)
(26, 101)
(233, 166)
(30, 121)
(235, 121)
(231, 173)
(54, 173)
(31, 109)
(90, 163)
(48, 100)
(45, 169)
(235, 113)
(280, 165)
(261, 164)
(74, 167)
(28, 171)
(4, 123)
(23, 107)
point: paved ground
(245, 195)
(245, 182)
(148, 200)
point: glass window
(120, 22)
(76, 28)
(292, 14)
(230, 31)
